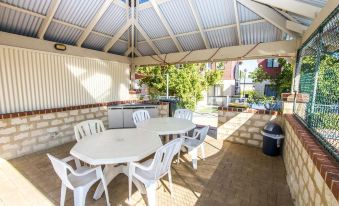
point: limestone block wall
(312, 175)
(244, 125)
(24, 134)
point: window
(272, 63)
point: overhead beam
(25, 42)
(267, 13)
(48, 19)
(166, 25)
(148, 40)
(117, 35)
(199, 24)
(93, 22)
(330, 6)
(237, 21)
(263, 50)
(293, 26)
(293, 6)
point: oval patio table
(113, 147)
(167, 125)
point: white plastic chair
(79, 180)
(140, 115)
(150, 171)
(183, 114)
(193, 143)
(88, 128)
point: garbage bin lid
(273, 128)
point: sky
(250, 65)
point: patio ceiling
(159, 26)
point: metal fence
(317, 78)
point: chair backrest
(201, 133)
(140, 115)
(88, 128)
(183, 114)
(61, 168)
(164, 156)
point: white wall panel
(33, 80)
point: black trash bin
(272, 139)
(173, 101)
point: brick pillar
(288, 100)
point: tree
(186, 82)
(280, 83)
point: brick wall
(30, 133)
(244, 125)
(312, 175)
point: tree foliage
(280, 83)
(186, 82)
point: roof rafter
(148, 40)
(296, 7)
(267, 13)
(48, 19)
(199, 23)
(93, 22)
(293, 26)
(237, 20)
(117, 35)
(166, 25)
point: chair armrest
(70, 158)
(95, 169)
(135, 164)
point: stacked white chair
(88, 128)
(140, 115)
(79, 180)
(183, 114)
(194, 143)
(150, 171)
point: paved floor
(232, 174)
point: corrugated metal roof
(215, 13)
(318, 3)
(245, 14)
(139, 36)
(223, 37)
(95, 41)
(303, 20)
(37, 6)
(63, 34)
(19, 23)
(125, 35)
(145, 49)
(77, 12)
(166, 46)
(150, 22)
(179, 16)
(259, 32)
(191, 42)
(119, 48)
(112, 20)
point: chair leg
(63, 194)
(130, 177)
(80, 196)
(170, 181)
(202, 146)
(194, 155)
(151, 189)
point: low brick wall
(244, 125)
(312, 175)
(44, 129)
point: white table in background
(113, 147)
(167, 125)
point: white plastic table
(114, 147)
(167, 125)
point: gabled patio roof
(160, 26)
